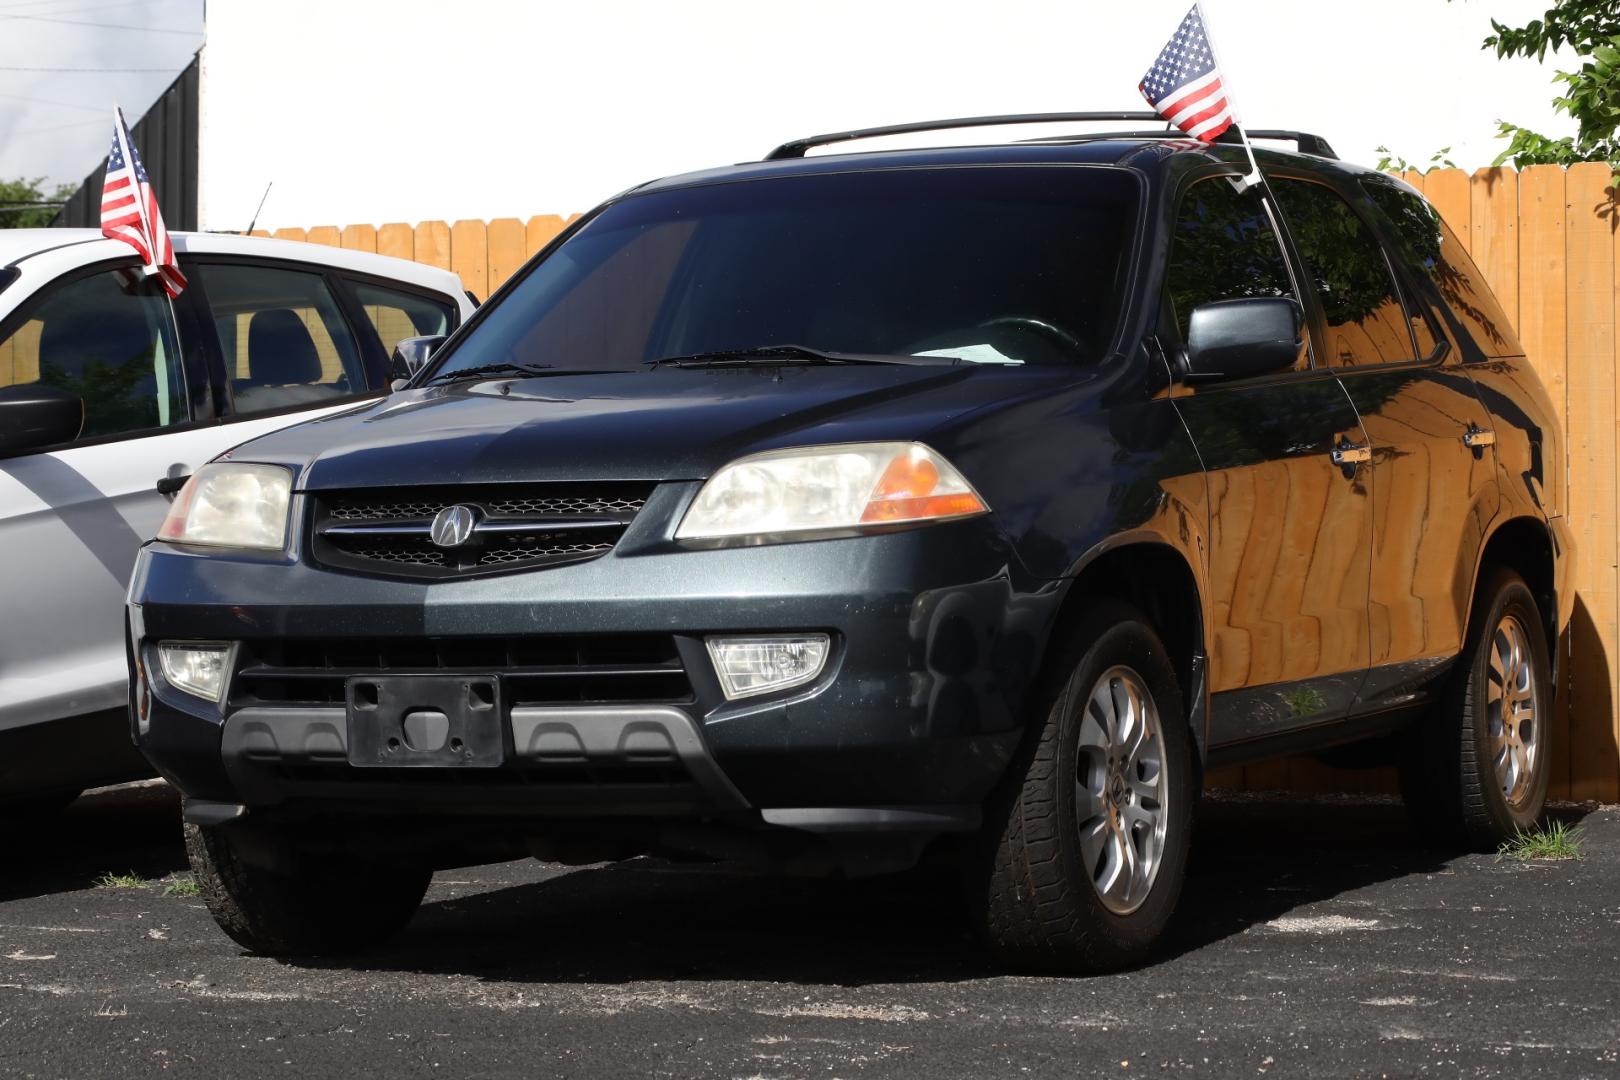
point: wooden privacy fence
(1546, 239)
(484, 254)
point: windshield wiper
(793, 354)
(502, 368)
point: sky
(57, 124)
(370, 111)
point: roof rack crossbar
(797, 147)
(1307, 143)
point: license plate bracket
(426, 721)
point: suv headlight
(231, 505)
(829, 489)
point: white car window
(108, 338)
(284, 339)
(399, 315)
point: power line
(105, 26)
(98, 71)
(57, 127)
(60, 104)
(72, 11)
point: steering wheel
(1028, 322)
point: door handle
(1350, 456)
(1477, 438)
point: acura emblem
(453, 526)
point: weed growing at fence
(1550, 842)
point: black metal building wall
(166, 139)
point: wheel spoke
(1088, 804)
(1093, 844)
(1113, 877)
(1125, 883)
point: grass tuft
(1550, 842)
(184, 885)
(110, 880)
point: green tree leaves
(1591, 29)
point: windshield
(1011, 265)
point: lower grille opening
(606, 669)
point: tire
(1454, 790)
(307, 904)
(1038, 884)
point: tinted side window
(1438, 253)
(284, 339)
(1367, 323)
(399, 315)
(1223, 248)
(109, 339)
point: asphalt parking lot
(1319, 940)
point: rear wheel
(297, 902)
(1086, 847)
(1476, 771)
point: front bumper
(936, 640)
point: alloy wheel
(1121, 790)
(1510, 699)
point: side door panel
(1290, 539)
(1433, 498)
(1289, 528)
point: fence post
(469, 256)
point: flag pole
(121, 133)
(1252, 177)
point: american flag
(129, 210)
(1184, 83)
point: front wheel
(298, 902)
(1086, 847)
(1476, 771)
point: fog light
(195, 667)
(759, 665)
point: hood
(667, 424)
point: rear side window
(284, 339)
(1224, 248)
(1430, 242)
(109, 339)
(397, 315)
(1367, 323)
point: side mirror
(1236, 339)
(412, 355)
(34, 415)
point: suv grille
(598, 669)
(389, 531)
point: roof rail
(1314, 145)
(797, 147)
(1307, 143)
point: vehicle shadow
(1256, 858)
(134, 829)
